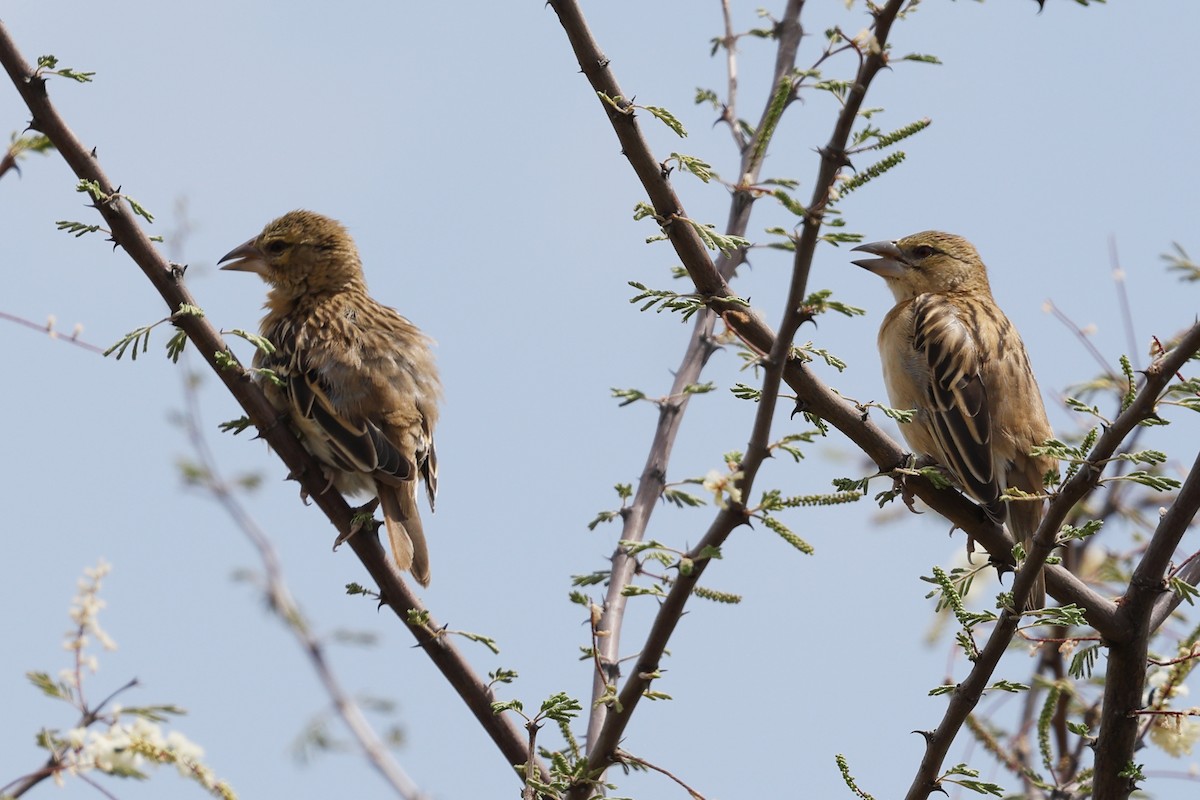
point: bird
(357, 379)
(950, 353)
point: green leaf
(261, 343)
(48, 65)
(268, 375)
(841, 238)
(1083, 662)
(175, 345)
(77, 229)
(48, 686)
(818, 303)
(1184, 589)
(636, 591)
(743, 392)
(560, 707)
(507, 705)
(1159, 483)
(1009, 686)
(714, 240)
(789, 202)
(708, 96)
(1071, 533)
(682, 499)
(627, 396)
(697, 167)
(668, 119)
(139, 209)
(162, 713)
(486, 641)
(235, 426)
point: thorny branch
(168, 281)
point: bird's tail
(1024, 516)
(404, 529)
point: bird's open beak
(249, 259)
(891, 263)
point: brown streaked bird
(949, 352)
(359, 380)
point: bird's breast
(906, 376)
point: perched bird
(358, 379)
(949, 352)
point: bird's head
(300, 252)
(930, 261)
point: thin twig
(1118, 275)
(623, 756)
(48, 329)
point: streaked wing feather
(958, 398)
(429, 472)
(359, 444)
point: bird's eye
(276, 247)
(923, 251)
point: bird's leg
(359, 518)
(329, 475)
(909, 465)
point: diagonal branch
(168, 280)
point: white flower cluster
(85, 613)
(127, 748)
(1176, 733)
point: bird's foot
(359, 519)
(329, 476)
(909, 466)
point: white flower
(866, 42)
(187, 753)
(1176, 734)
(110, 750)
(722, 485)
(76, 737)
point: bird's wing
(958, 401)
(358, 444)
(430, 473)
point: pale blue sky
(491, 204)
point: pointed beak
(249, 259)
(890, 264)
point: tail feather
(1024, 516)
(407, 537)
